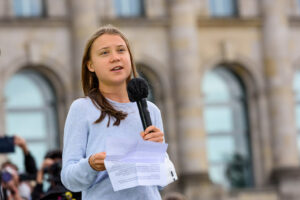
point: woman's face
(110, 60)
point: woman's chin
(115, 82)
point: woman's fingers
(160, 139)
(101, 155)
(97, 161)
(153, 136)
(151, 129)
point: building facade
(225, 74)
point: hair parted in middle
(90, 83)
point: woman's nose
(114, 57)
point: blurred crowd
(36, 183)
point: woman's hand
(96, 161)
(153, 134)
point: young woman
(104, 112)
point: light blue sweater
(82, 138)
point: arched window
(226, 129)
(151, 90)
(30, 112)
(28, 8)
(129, 8)
(223, 8)
(297, 101)
(147, 74)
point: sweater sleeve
(30, 165)
(158, 121)
(157, 118)
(76, 174)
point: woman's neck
(115, 93)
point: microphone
(137, 89)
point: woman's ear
(90, 66)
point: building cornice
(136, 22)
(35, 22)
(294, 21)
(229, 22)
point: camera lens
(6, 176)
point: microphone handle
(144, 113)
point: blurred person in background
(8, 146)
(29, 161)
(15, 185)
(51, 167)
(10, 181)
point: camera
(53, 172)
(6, 176)
(7, 144)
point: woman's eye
(122, 50)
(104, 52)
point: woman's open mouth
(117, 68)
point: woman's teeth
(117, 68)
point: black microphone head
(137, 89)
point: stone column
(189, 104)
(279, 78)
(85, 22)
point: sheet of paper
(130, 164)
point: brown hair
(90, 83)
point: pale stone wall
(56, 8)
(2, 9)
(85, 22)
(105, 9)
(201, 8)
(185, 59)
(248, 8)
(6, 11)
(279, 85)
(155, 8)
(294, 47)
(293, 8)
